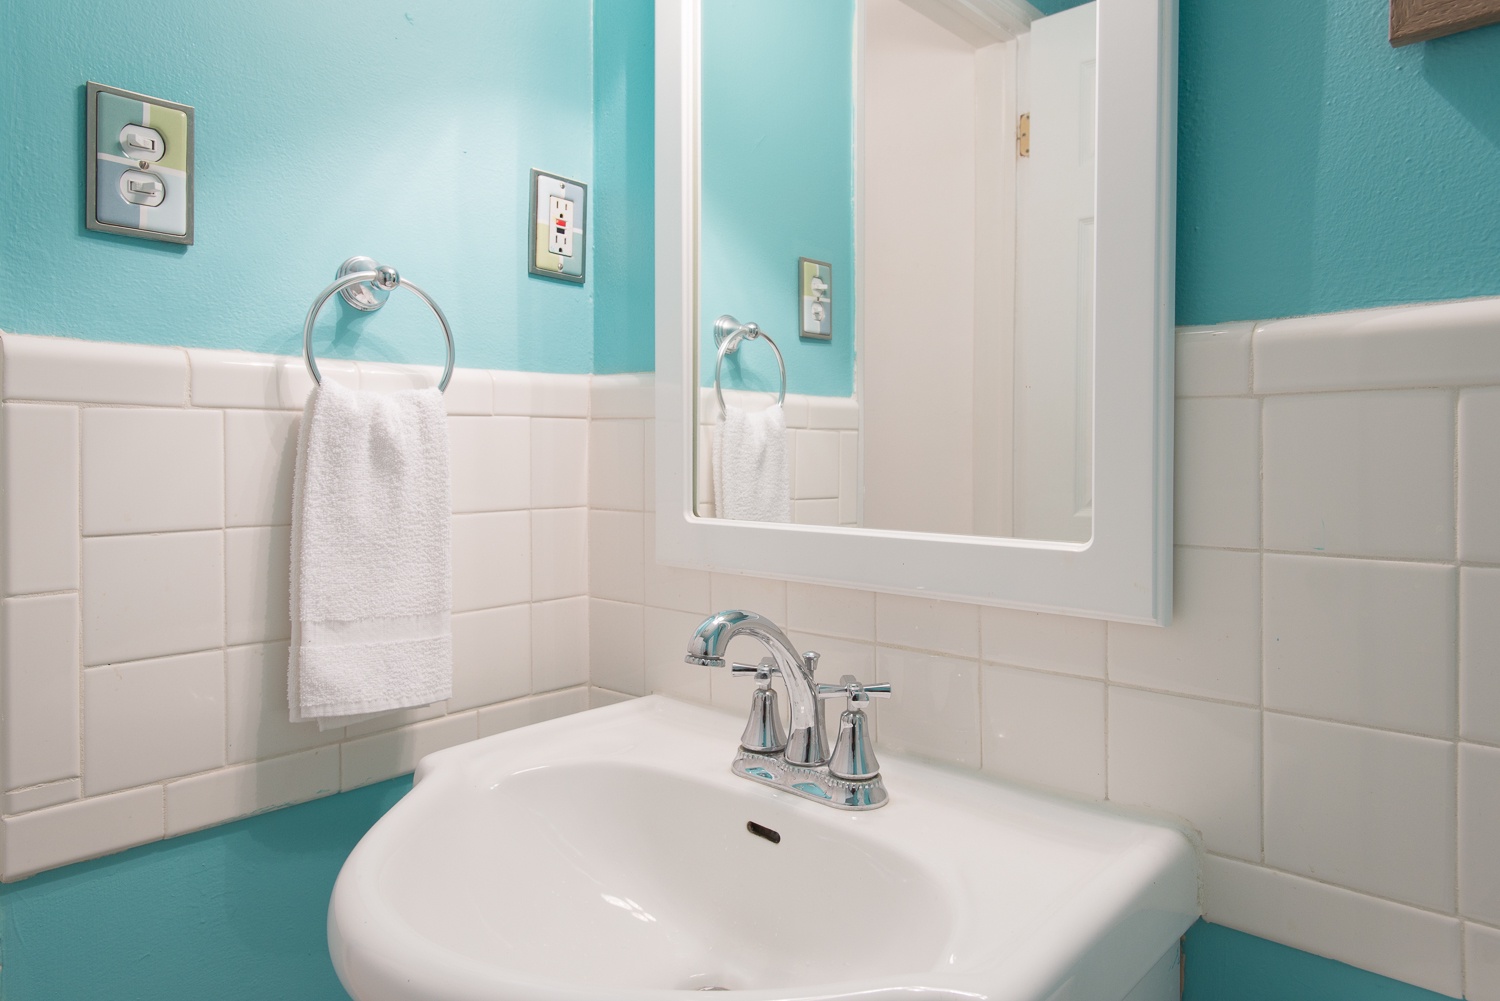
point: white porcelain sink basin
(608, 855)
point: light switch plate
(558, 241)
(815, 299)
(140, 165)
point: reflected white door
(1055, 281)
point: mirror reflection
(896, 265)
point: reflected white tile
(1366, 809)
(1214, 360)
(258, 564)
(1062, 643)
(386, 755)
(1479, 654)
(99, 825)
(815, 512)
(559, 553)
(151, 720)
(1044, 729)
(39, 690)
(622, 396)
(1218, 473)
(68, 370)
(490, 463)
(1391, 939)
(559, 395)
(934, 707)
(832, 611)
(840, 413)
(1479, 832)
(927, 624)
(152, 595)
(227, 794)
(848, 477)
(512, 393)
(1479, 475)
(491, 656)
(617, 465)
(816, 474)
(559, 644)
(617, 659)
(615, 545)
(1199, 760)
(260, 454)
(1363, 641)
(491, 559)
(40, 463)
(1212, 647)
(559, 463)
(1360, 474)
(256, 706)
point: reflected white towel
(372, 578)
(751, 478)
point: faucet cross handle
(857, 692)
(762, 671)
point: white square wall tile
(1212, 647)
(1479, 654)
(241, 379)
(1218, 473)
(490, 463)
(617, 465)
(1366, 809)
(491, 559)
(1479, 832)
(1479, 475)
(616, 545)
(39, 690)
(848, 477)
(537, 709)
(148, 470)
(934, 706)
(559, 552)
(99, 825)
(152, 595)
(1199, 760)
(1391, 939)
(1363, 641)
(1214, 361)
(256, 706)
(386, 755)
(831, 611)
(666, 641)
(617, 658)
(227, 794)
(672, 587)
(559, 644)
(557, 395)
(817, 471)
(622, 396)
(260, 454)
(512, 393)
(258, 570)
(491, 656)
(40, 466)
(753, 594)
(152, 720)
(927, 624)
(1481, 963)
(559, 463)
(1360, 474)
(1062, 643)
(649, 462)
(67, 370)
(1044, 729)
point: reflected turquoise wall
(400, 130)
(234, 913)
(777, 184)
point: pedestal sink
(612, 855)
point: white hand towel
(751, 479)
(372, 565)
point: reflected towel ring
(728, 332)
(367, 289)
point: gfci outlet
(559, 212)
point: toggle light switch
(141, 142)
(139, 187)
(815, 298)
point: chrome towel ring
(366, 285)
(728, 332)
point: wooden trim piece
(1421, 20)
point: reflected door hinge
(1023, 135)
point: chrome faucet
(798, 762)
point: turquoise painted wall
(1319, 169)
(777, 184)
(624, 191)
(234, 913)
(400, 130)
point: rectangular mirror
(914, 285)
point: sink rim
(357, 914)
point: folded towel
(372, 567)
(751, 480)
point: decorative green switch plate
(140, 165)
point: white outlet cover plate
(553, 254)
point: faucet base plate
(810, 783)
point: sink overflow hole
(761, 831)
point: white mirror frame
(1125, 571)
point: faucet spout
(806, 744)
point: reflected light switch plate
(140, 166)
(815, 298)
(559, 210)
